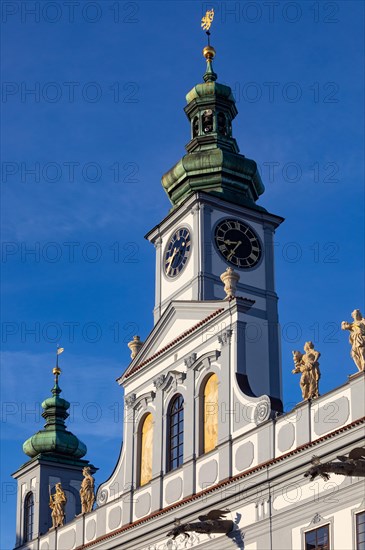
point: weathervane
(57, 371)
(208, 51)
(207, 21)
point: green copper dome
(54, 438)
(209, 89)
(213, 163)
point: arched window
(207, 121)
(28, 517)
(210, 404)
(222, 125)
(176, 433)
(146, 448)
(195, 126)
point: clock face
(177, 252)
(237, 243)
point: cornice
(224, 483)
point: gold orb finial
(57, 371)
(209, 53)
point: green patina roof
(215, 171)
(54, 438)
(208, 89)
(213, 163)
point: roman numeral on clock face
(177, 252)
(237, 243)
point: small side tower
(55, 457)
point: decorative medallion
(262, 410)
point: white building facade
(204, 426)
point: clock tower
(215, 223)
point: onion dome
(54, 438)
(213, 163)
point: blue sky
(105, 122)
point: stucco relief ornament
(158, 242)
(357, 338)
(57, 503)
(135, 345)
(87, 495)
(317, 518)
(181, 542)
(307, 364)
(102, 497)
(190, 360)
(262, 410)
(224, 337)
(159, 381)
(230, 279)
(130, 400)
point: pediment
(177, 321)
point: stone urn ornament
(230, 279)
(135, 345)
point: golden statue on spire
(208, 51)
(207, 20)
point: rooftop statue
(87, 495)
(307, 364)
(351, 465)
(57, 503)
(357, 338)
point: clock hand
(230, 242)
(171, 259)
(233, 250)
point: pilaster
(130, 442)
(190, 422)
(158, 281)
(225, 407)
(159, 430)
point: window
(360, 531)
(207, 121)
(146, 448)
(195, 126)
(176, 433)
(222, 126)
(318, 539)
(28, 517)
(210, 404)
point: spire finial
(57, 371)
(208, 51)
(54, 438)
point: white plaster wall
(332, 414)
(200, 464)
(174, 359)
(239, 443)
(166, 480)
(299, 490)
(343, 528)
